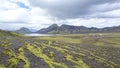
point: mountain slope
(111, 29)
(8, 34)
(53, 27)
(70, 29)
(23, 30)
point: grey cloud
(105, 7)
(72, 8)
(12, 25)
(13, 22)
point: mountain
(23, 30)
(70, 29)
(111, 29)
(53, 27)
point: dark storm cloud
(72, 8)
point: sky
(37, 14)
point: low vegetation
(67, 51)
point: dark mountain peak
(48, 29)
(23, 30)
(53, 25)
(82, 26)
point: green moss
(16, 34)
(99, 43)
(2, 66)
(13, 62)
(5, 43)
(23, 58)
(73, 48)
(79, 63)
(9, 52)
(51, 55)
(38, 53)
(15, 58)
(61, 39)
(113, 41)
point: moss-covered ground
(67, 51)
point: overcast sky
(37, 14)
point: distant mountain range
(70, 29)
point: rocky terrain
(67, 51)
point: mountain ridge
(70, 29)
